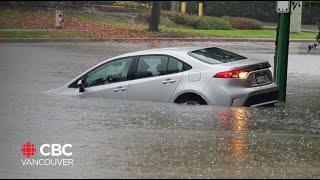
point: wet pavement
(130, 139)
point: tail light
(238, 73)
(242, 72)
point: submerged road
(129, 139)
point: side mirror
(80, 85)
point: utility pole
(155, 16)
(283, 8)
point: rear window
(215, 55)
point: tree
(155, 16)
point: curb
(31, 40)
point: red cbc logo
(28, 149)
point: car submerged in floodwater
(184, 75)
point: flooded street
(130, 139)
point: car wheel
(191, 99)
(191, 102)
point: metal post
(282, 55)
(276, 51)
(183, 7)
(200, 9)
(58, 19)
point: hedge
(208, 22)
(244, 23)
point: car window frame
(136, 61)
(129, 74)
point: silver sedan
(186, 75)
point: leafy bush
(205, 22)
(132, 4)
(208, 22)
(184, 19)
(196, 22)
(244, 23)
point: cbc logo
(55, 150)
(28, 150)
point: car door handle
(117, 89)
(168, 81)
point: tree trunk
(155, 16)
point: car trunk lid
(258, 71)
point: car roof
(165, 51)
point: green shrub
(208, 22)
(244, 23)
(132, 4)
(196, 22)
(184, 19)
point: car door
(156, 78)
(109, 80)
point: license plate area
(260, 78)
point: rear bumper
(262, 97)
(232, 93)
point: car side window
(151, 66)
(115, 71)
(175, 66)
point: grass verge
(264, 33)
(168, 33)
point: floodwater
(130, 139)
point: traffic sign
(283, 6)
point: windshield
(215, 55)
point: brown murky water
(145, 139)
